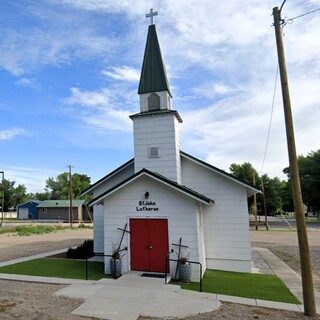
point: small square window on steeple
(153, 152)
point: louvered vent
(153, 152)
(153, 102)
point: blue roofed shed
(28, 210)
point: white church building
(163, 194)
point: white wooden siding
(113, 180)
(98, 229)
(226, 224)
(160, 131)
(180, 210)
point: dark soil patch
(59, 255)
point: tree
(13, 196)
(272, 188)
(59, 187)
(286, 196)
(245, 172)
(309, 169)
(41, 196)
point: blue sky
(69, 72)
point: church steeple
(156, 126)
(153, 74)
(154, 88)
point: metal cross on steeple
(151, 15)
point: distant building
(28, 210)
(59, 210)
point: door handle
(149, 247)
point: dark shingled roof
(153, 74)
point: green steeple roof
(153, 74)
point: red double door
(148, 244)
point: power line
(304, 14)
(285, 21)
(270, 121)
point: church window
(153, 102)
(153, 152)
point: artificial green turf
(58, 268)
(247, 285)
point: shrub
(85, 250)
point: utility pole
(70, 198)
(2, 200)
(306, 268)
(255, 201)
(264, 205)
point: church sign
(145, 205)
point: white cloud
(28, 50)
(123, 73)
(88, 98)
(27, 82)
(11, 133)
(32, 178)
(104, 109)
(124, 6)
(212, 90)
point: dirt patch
(13, 246)
(6, 305)
(234, 311)
(34, 301)
(59, 256)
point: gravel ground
(233, 311)
(285, 246)
(13, 246)
(34, 301)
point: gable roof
(60, 203)
(36, 202)
(153, 74)
(109, 175)
(250, 188)
(161, 179)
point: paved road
(280, 223)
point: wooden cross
(151, 15)
(179, 253)
(123, 232)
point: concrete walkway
(132, 296)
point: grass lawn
(31, 229)
(247, 285)
(59, 268)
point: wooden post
(70, 192)
(255, 202)
(264, 205)
(305, 260)
(2, 198)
